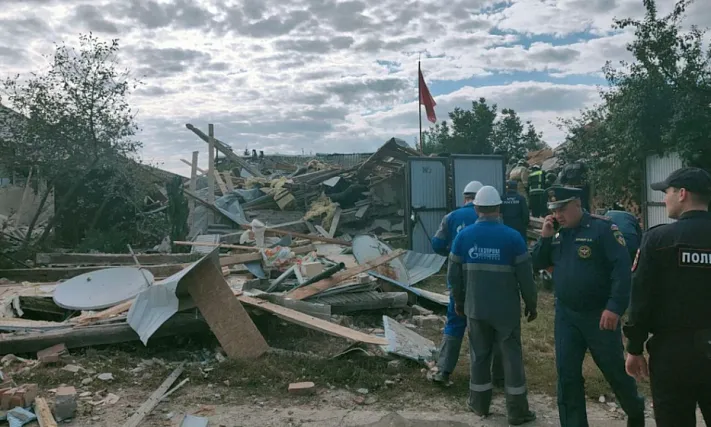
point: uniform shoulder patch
(619, 237)
(636, 261)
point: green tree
(482, 130)
(658, 103)
(77, 121)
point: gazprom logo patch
(484, 254)
(695, 258)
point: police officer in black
(671, 293)
(514, 210)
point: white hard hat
(473, 187)
(487, 196)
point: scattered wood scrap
(44, 414)
(322, 285)
(112, 259)
(155, 398)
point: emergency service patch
(620, 238)
(699, 258)
(584, 251)
(636, 261)
(614, 227)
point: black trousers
(680, 373)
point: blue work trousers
(456, 325)
(575, 333)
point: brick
(65, 403)
(6, 398)
(52, 354)
(301, 389)
(431, 321)
(30, 393)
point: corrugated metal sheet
(428, 197)
(658, 169)
(489, 170)
(421, 266)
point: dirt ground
(353, 388)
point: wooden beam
(155, 398)
(211, 172)
(198, 169)
(220, 183)
(193, 186)
(274, 231)
(115, 259)
(44, 414)
(74, 336)
(60, 273)
(215, 245)
(228, 180)
(322, 285)
(226, 150)
(312, 322)
(334, 222)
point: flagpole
(419, 103)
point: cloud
(331, 75)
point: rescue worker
(536, 191)
(629, 227)
(454, 329)
(489, 271)
(514, 210)
(520, 175)
(591, 279)
(671, 290)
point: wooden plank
(220, 183)
(155, 398)
(243, 258)
(285, 201)
(226, 150)
(197, 168)
(215, 245)
(211, 172)
(112, 259)
(322, 231)
(50, 274)
(74, 336)
(334, 222)
(228, 320)
(85, 319)
(228, 180)
(322, 285)
(274, 231)
(312, 322)
(193, 187)
(44, 414)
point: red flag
(426, 99)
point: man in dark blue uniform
(671, 290)
(514, 210)
(629, 227)
(591, 278)
(454, 329)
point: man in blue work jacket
(514, 210)
(591, 278)
(490, 270)
(451, 225)
(629, 227)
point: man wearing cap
(454, 329)
(514, 210)
(536, 192)
(489, 271)
(591, 278)
(671, 291)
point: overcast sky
(330, 75)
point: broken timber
(322, 285)
(155, 398)
(257, 256)
(313, 322)
(302, 236)
(112, 259)
(50, 274)
(226, 150)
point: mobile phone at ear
(556, 224)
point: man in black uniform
(671, 291)
(514, 210)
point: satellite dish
(367, 248)
(102, 288)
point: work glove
(531, 314)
